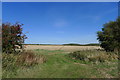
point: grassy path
(59, 65)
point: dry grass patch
(12, 62)
(29, 58)
(94, 55)
(61, 47)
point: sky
(60, 22)
(60, 0)
(0, 13)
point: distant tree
(12, 37)
(109, 37)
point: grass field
(60, 65)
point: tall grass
(60, 64)
(12, 62)
(93, 55)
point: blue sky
(58, 23)
(60, 0)
(0, 13)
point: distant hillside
(91, 44)
(70, 44)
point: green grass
(60, 65)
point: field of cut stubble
(61, 47)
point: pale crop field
(61, 47)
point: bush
(12, 37)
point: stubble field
(61, 47)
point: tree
(12, 37)
(109, 37)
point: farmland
(59, 64)
(61, 47)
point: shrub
(12, 37)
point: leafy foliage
(12, 37)
(109, 37)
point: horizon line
(60, 43)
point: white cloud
(60, 23)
